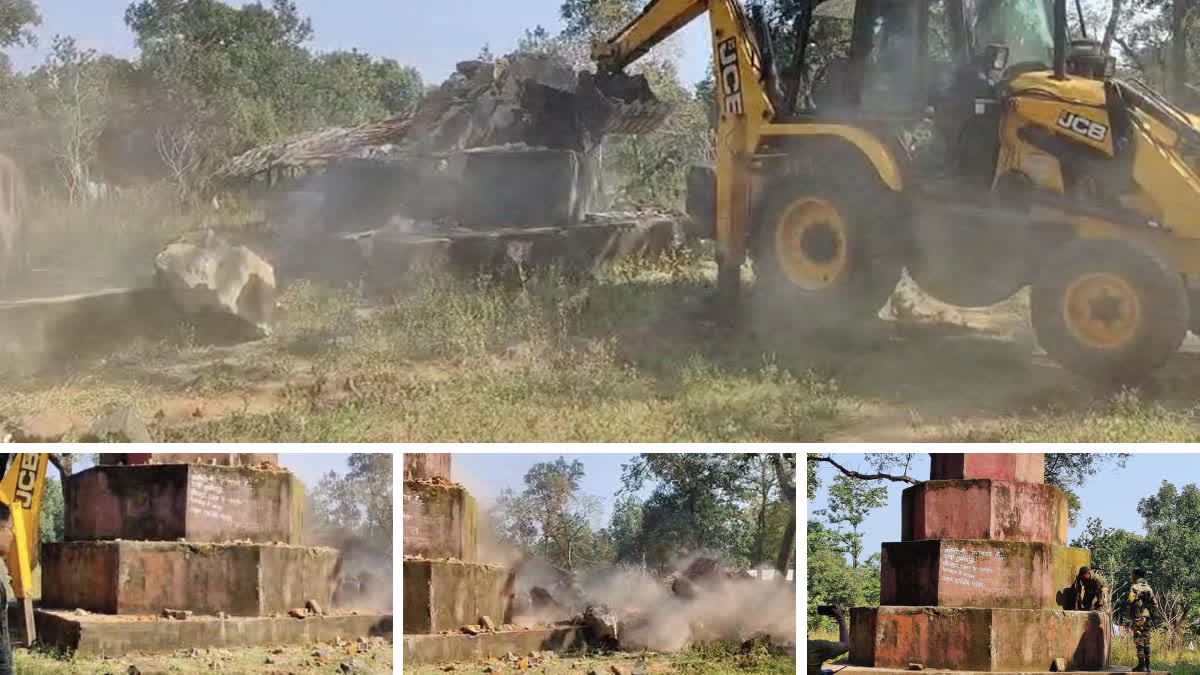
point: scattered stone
(487, 623)
(119, 424)
(1059, 665)
(215, 280)
(81, 612)
(133, 670)
(473, 629)
(269, 661)
(193, 653)
(179, 614)
(602, 622)
(297, 613)
(322, 652)
(619, 670)
(916, 666)
(277, 650)
(351, 666)
(314, 607)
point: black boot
(1141, 661)
(1146, 649)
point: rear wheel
(1109, 310)
(826, 253)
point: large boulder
(224, 287)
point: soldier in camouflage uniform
(1091, 591)
(1141, 600)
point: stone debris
(119, 424)
(298, 613)
(487, 623)
(314, 607)
(473, 629)
(178, 614)
(1059, 665)
(916, 666)
(229, 289)
(603, 623)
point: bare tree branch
(863, 476)
(1130, 53)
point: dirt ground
(703, 661)
(627, 357)
(373, 657)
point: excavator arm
(21, 495)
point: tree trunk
(785, 547)
(1178, 58)
(1110, 31)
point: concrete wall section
(146, 577)
(984, 509)
(1026, 467)
(439, 522)
(199, 503)
(441, 595)
(978, 573)
(976, 639)
(426, 465)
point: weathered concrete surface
(426, 465)
(977, 639)
(978, 573)
(439, 522)
(439, 648)
(865, 670)
(129, 577)
(984, 509)
(116, 636)
(196, 502)
(251, 459)
(1027, 467)
(446, 595)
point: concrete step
(462, 647)
(94, 634)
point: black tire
(875, 248)
(1154, 327)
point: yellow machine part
(21, 490)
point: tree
(552, 517)
(850, 501)
(1115, 552)
(17, 18)
(359, 502)
(1069, 470)
(72, 89)
(625, 529)
(1172, 521)
(51, 523)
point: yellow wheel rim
(1102, 310)
(811, 242)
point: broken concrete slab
(447, 595)
(441, 648)
(228, 288)
(131, 577)
(196, 502)
(115, 636)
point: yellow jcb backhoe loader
(21, 490)
(1043, 169)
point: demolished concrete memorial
(169, 552)
(980, 580)
(457, 608)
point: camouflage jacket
(1091, 593)
(1140, 599)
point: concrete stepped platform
(461, 647)
(97, 634)
(140, 577)
(863, 670)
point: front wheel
(826, 254)
(1109, 310)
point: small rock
(193, 652)
(351, 666)
(269, 661)
(1059, 665)
(179, 614)
(133, 670)
(314, 607)
(81, 612)
(297, 613)
(473, 629)
(487, 623)
(619, 670)
(322, 652)
(916, 666)
(449, 668)
(277, 650)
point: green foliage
(831, 581)
(50, 518)
(17, 18)
(850, 501)
(358, 502)
(1172, 522)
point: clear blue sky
(485, 475)
(432, 36)
(1111, 495)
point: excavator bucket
(616, 103)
